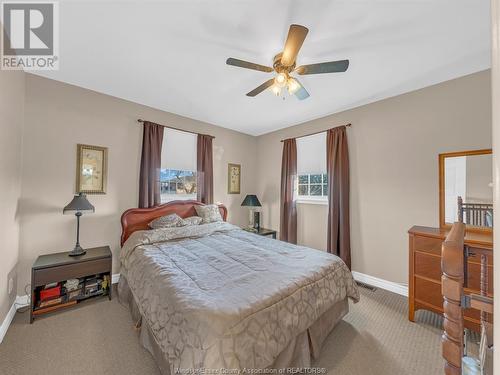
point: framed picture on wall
(233, 178)
(91, 169)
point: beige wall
(479, 170)
(12, 91)
(393, 146)
(58, 116)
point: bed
(212, 296)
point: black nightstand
(60, 267)
(262, 232)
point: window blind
(178, 150)
(311, 154)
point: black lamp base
(77, 251)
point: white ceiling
(171, 55)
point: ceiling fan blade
(301, 92)
(261, 88)
(326, 67)
(248, 65)
(294, 40)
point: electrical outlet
(10, 286)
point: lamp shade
(251, 200)
(79, 204)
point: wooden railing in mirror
(475, 214)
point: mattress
(215, 297)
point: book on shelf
(53, 296)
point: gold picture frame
(91, 169)
(233, 178)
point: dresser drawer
(428, 292)
(54, 274)
(427, 244)
(428, 266)
(474, 277)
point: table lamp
(79, 205)
(252, 201)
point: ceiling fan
(284, 66)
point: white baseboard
(381, 283)
(6, 322)
(23, 301)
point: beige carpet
(98, 338)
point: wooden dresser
(425, 270)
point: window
(313, 185)
(178, 166)
(177, 184)
(312, 182)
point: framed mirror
(466, 189)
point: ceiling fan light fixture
(281, 79)
(284, 64)
(276, 90)
(293, 86)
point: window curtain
(288, 213)
(149, 177)
(204, 169)
(337, 165)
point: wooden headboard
(138, 218)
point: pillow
(209, 213)
(168, 221)
(192, 220)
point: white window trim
(306, 199)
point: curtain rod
(172, 127)
(321, 131)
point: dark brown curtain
(337, 165)
(149, 178)
(205, 169)
(288, 214)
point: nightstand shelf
(262, 232)
(59, 267)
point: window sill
(322, 202)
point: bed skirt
(297, 354)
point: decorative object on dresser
(425, 270)
(78, 205)
(262, 231)
(91, 169)
(252, 201)
(233, 178)
(58, 281)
